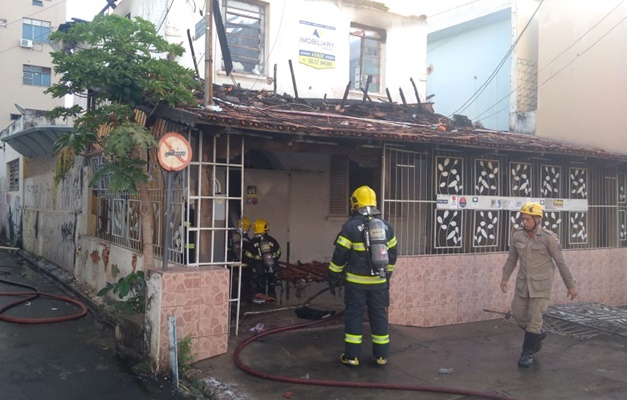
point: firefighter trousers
(376, 299)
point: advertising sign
(316, 45)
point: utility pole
(208, 53)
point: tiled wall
(199, 298)
(444, 290)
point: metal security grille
(214, 200)
(622, 209)
(408, 199)
(14, 175)
(412, 181)
(245, 25)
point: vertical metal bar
(168, 212)
(293, 79)
(274, 80)
(172, 345)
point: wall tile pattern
(444, 290)
(199, 298)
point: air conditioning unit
(26, 43)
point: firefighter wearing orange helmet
(537, 251)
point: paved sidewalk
(477, 357)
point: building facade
(26, 70)
(451, 192)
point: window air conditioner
(27, 43)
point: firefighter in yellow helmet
(365, 254)
(263, 257)
(537, 251)
(240, 234)
(239, 242)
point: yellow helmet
(363, 197)
(244, 224)
(532, 208)
(261, 226)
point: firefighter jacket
(351, 256)
(537, 267)
(252, 251)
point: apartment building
(26, 71)
(25, 62)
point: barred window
(245, 31)
(13, 168)
(459, 202)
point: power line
(29, 16)
(582, 36)
(166, 12)
(585, 51)
(478, 92)
(560, 54)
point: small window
(245, 27)
(38, 3)
(14, 175)
(15, 116)
(365, 57)
(33, 75)
(3, 23)
(36, 30)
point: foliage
(122, 64)
(185, 357)
(132, 285)
(65, 162)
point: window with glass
(365, 57)
(36, 30)
(33, 75)
(245, 25)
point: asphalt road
(65, 360)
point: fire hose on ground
(32, 295)
(347, 384)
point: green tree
(122, 64)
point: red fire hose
(362, 385)
(35, 293)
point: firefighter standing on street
(263, 259)
(539, 251)
(365, 254)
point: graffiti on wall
(70, 191)
(67, 231)
(4, 207)
(15, 219)
(38, 195)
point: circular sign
(174, 152)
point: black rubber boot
(529, 345)
(541, 337)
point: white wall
(583, 92)
(296, 205)
(404, 53)
(51, 214)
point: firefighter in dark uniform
(365, 254)
(263, 259)
(239, 242)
